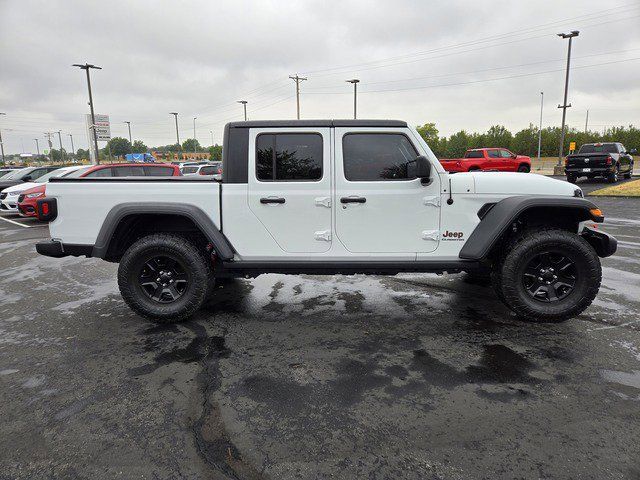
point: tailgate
(587, 160)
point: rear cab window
(474, 154)
(378, 157)
(158, 171)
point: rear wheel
(572, 178)
(549, 275)
(164, 277)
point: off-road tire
(572, 178)
(197, 265)
(519, 254)
(627, 175)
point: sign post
(103, 133)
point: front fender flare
(498, 218)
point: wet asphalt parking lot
(413, 376)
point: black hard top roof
(316, 123)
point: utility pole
(50, 143)
(244, 104)
(586, 122)
(62, 155)
(211, 132)
(73, 150)
(86, 67)
(540, 128)
(175, 114)
(564, 106)
(2, 144)
(297, 79)
(37, 146)
(355, 82)
(129, 126)
(195, 144)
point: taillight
(220, 170)
(609, 160)
(566, 161)
(47, 209)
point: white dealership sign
(102, 126)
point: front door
(380, 205)
(290, 186)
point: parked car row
(488, 160)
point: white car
(213, 168)
(9, 196)
(328, 197)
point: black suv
(608, 160)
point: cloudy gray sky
(461, 64)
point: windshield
(4, 173)
(603, 148)
(78, 173)
(61, 172)
(15, 174)
(187, 170)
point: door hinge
(323, 202)
(324, 235)
(431, 235)
(434, 200)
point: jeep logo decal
(447, 235)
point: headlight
(34, 195)
(13, 194)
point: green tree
(429, 133)
(82, 154)
(190, 144)
(498, 136)
(525, 142)
(215, 152)
(138, 147)
(119, 146)
(457, 144)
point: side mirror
(27, 178)
(633, 151)
(423, 167)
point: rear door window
(474, 154)
(101, 173)
(208, 170)
(289, 157)
(493, 154)
(371, 157)
(158, 171)
(128, 171)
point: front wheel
(615, 175)
(524, 168)
(571, 178)
(629, 173)
(164, 277)
(549, 275)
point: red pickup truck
(489, 159)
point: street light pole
(195, 144)
(129, 126)
(73, 150)
(37, 146)
(2, 144)
(62, 156)
(540, 128)
(175, 114)
(86, 67)
(211, 132)
(50, 143)
(564, 106)
(244, 104)
(355, 82)
(586, 122)
(297, 79)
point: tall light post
(195, 143)
(73, 150)
(62, 155)
(129, 127)
(564, 106)
(211, 132)
(2, 144)
(244, 104)
(297, 79)
(86, 67)
(540, 128)
(586, 122)
(355, 82)
(175, 114)
(37, 146)
(50, 144)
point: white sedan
(9, 196)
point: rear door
(380, 204)
(493, 160)
(289, 186)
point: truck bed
(83, 203)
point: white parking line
(20, 224)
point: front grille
(20, 198)
(3, 196)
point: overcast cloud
(421, 61)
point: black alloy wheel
(549, 277)
(163, 279)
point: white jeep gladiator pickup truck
(331, 197)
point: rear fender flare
(223, 248)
